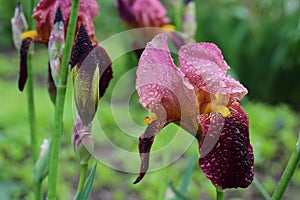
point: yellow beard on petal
(30, 34)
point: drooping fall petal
(19, 25)
(158, 84)
(145, 144)
(204, 66)
(23, 62)
(44, 13)
(226, 158)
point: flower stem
(288, 172)
(31, 109)
(83, 172)
(60, 100)
(220, 194)
(261, 189)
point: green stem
(38, 194)
(60, 100)
(288, 172)
(83, 173)
(261, 189)
(220, 194)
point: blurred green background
(260, 40)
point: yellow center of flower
(149, 119)
(29, 34)
(169, 27)
(213, 103)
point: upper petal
(226, 155)
(161, 86)
(204, 66)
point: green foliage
(261, 42)
(85, 193)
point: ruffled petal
(204, 66)
(23, 63)
(150, 13)
(145, 144)
(226, 155)
(44, 13)
(162, 88)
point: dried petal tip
(58, 16)
(83, 46)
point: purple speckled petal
(204, 66)
(145, 144)
(229, 163)
(161, 87)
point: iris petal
(161, 87)
(204, 66)
(145, 144)
(229, 161)
(23, 62)
(44, 13)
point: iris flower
(203, 100)
(47, 14)
(142, 13)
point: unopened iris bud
(189, 19)
(56, 45)
(19, 25)
(82, 140)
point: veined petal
(204, 66)
(23, 62)
(162, 88)
(227, 158)
(145, 144)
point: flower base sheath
(202, 99)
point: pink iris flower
(202, 99)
